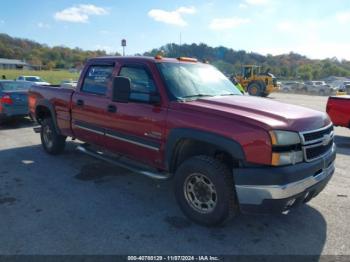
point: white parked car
(345, 87)
(69, 83)
(35, 79)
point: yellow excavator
(255, 82)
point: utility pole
(123, 45)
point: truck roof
(156, 59)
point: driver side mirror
(121, 89)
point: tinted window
(142, 84)
(33, 79)
(96, 79)
(11, 86)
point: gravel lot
(74, 204)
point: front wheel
(204, 189)
(52, 142)
(255, 89)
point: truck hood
(263, 112)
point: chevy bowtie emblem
(326, 139)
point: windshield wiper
(194, 96)
(230, 94)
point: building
(13, 64)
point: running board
(120, 163)
(37, 129)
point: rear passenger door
(136, 128)
(89, 104)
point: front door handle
(112, 108)
(80, 102)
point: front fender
(227, 144)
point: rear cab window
(96, 79)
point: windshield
(12, 86)
(192, 81)
(33, 79)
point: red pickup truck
(181, 119)
(338, 109)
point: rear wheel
(204, 189)
(52, 142)
(255, 89)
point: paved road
(73, 204)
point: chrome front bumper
(266, 188)
(254, 194)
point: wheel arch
(184, 143)
(45, 109)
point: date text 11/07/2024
(173, 258)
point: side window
(96, 79)
(142, 84)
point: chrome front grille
(317, 143)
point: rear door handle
(112, 108)
(80, 102)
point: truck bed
(59, 97)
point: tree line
(43, 56)
(228, 60)
(286, 66)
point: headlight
(286, 148)
(284, 138)
(287, 158)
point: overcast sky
(315, 28)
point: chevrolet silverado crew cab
(181, 119)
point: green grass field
(53, 77)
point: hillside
(228, 60)
(42, 55)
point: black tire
(220, 177)
(52, 142)
(255, 89)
